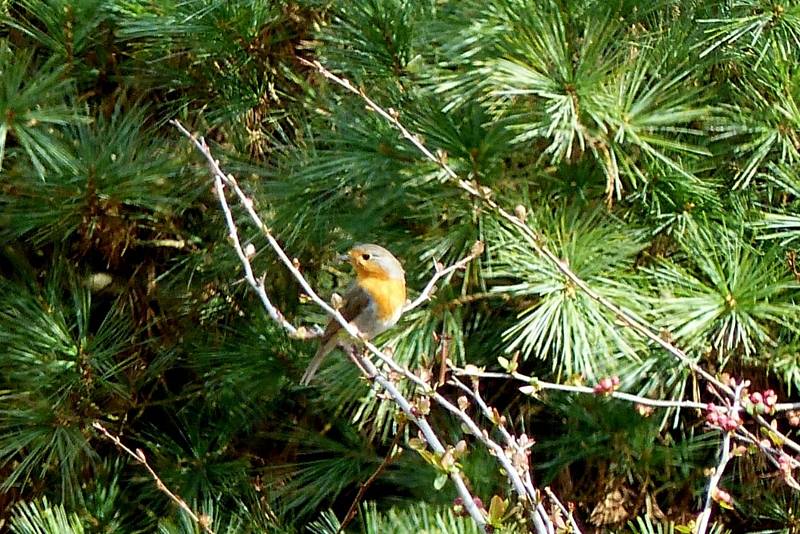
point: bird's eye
(365, 257)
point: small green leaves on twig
(497, 511)
(446, 463)
(511, 365)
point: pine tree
(652, 146)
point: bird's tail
(312, 368)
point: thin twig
(203, 521)
(390, 456)
(773, 455)
(783, 437)
(430, 436)
(233, 235)
(747, 437)
(521, 462)
(522, 490)
(725, 456)
(537, 384)
(573, 524)
(477, 250)
(786, 406)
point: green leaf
(497, 509)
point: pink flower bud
(722, 496)
(730, 424)
(756, 398)
(458, 507)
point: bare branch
(563, 509)
(724, 458)
(523, 491)
(521, 451)
(786, 440)
(233, 232)
(202, 521)
(787, 406)
(535, 384)
(477, 250)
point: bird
(373, 303)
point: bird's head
(375, 261)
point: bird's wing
(356, 300)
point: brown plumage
(373, 303)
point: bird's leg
(356, 354)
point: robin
(373, 303)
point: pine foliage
(653, 146)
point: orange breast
(389, 295)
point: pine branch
(202, 521)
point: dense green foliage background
(654, 143)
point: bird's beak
(343, 258)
